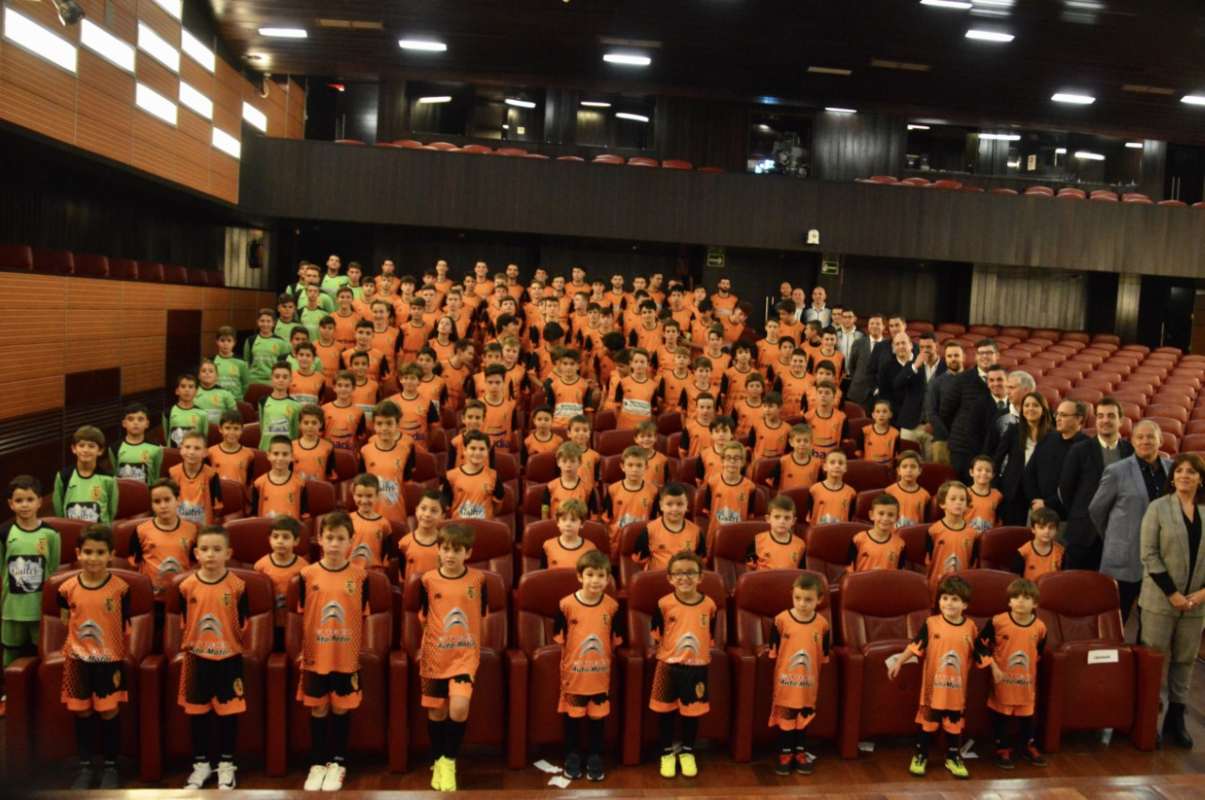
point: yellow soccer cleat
(689, 767)
(918, 765)
(956, 767)
(449, 775)
(669, 766)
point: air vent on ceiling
(1138, 88)
(352, 24)
(907, 66)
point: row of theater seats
(521, 152)
(1064, 193)
(1089, 678)
(24, 258)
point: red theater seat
(642, 161)
(88, 265)
(759, 597)
(671, 163)
(1004, 190)
(133, 499)
(536, 533)
(732, 543)
(69, 531)
(173, 273)
(1090, 678)
(864, 475)
(998, 546)
(125, 269)
(828, 549)
(53, 262)
(38, 727)
(16, 257)
(478, 149)
(710, 170)
(606, 158)
(885, 179)
(151, 271)
(570, 158)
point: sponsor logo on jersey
(209, 624)
(333, 610)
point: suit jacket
(1164, 543)
(907, 392)
(1081, 473)
(853, 338)
(967, 410)
(824, 316)
(862, 369)
(934, 392)
(1009, 459)
(1116, 510)
(1045, 468)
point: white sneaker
(313, 781)
(333, 781)
(200, 775)
(226, 770)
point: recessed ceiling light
(830, 71)
(958, 4)
(284, 33)
(442, 98)
(989, 36)
(1073, 99)
(913, 127)
(511, 101)
(425, 45)
(1085, 155)
(1193, 99)
(632, 117)
(1001, 137)
(1060, 151)
(595, 104)
(839, 110)
(627, 59)
(1134, 145)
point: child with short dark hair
(184, 415)
(29, 553)
(983, 511)
(280, 565)
(264, 348)
(210, 396)
(799, 644)
(419, 549)
(473, 490)
(233, 373)
(879, 547)
(912, 497)
(729, 496)
(826, 420)
(657, 467)
(162, 546)
(280, 491)
(542, 438)
(769, 436)
(580, 430)
(587, 626)
(390, 457)
(372, 542)
(278, 411)
(200, 488)
(1016, 640)
(952, 544)
(229, 457)
(800, 468)
(632, 499)
(86, 491)
(779, 547)
(343, 420)
(671, 532)
(832, 498)
(135, 457)
(563, 550)
(1042, 555)
(313, 456)
(880, 437)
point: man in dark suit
(1045, 466)
(1080, 477)
(939, 386)
(968, 408)
(899, 363)
(861, 366)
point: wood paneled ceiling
(1137, 57)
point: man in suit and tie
(847, 333)
(1018, 384)
(968, 408)
(1126, 489)
(863, 373)
(1082, 470)
(911, 387)
(939, 445)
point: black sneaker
(573, 766)
(110, 778)
(783, 765)
(84, 778)
(1004, 758)
(594, 768)
(803, 764)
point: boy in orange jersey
(749, 409)
(415, 332)
(306, 384)
(880, 437)
(390, 456)
(280, 565)
(880, 547)
(473, 490)
(229, 457)
(384, 336)
(280, 491)
(949, 645)
(372, 542)
(952, 544)
(696, 429)
(579, 434)
(682, 628)
(912, 497)
(566, 392)
(646, 333)
(471, 420)
(800, 468)
(343, 420)
(729, 496)
(711, 458)
(430, 383)
(213, 611)
(732, 386)
(799, 644)
(781, 365)
(162, 546)
(822, 372)
(633, 499)
(827, 422)
(456, 371)
(587, 626)
(200, 488)
(767, 346)
(345, 317)
(636, 396)
(658, 464)
(1043, 555)
(453, 604)
(541, 439)
(779, 547)
(793, 383)
(1016, 640)
(563, 550)
(676, 378)
(670, 533)
(769, 436)
(378, 366)
(328, 351)
(569, 485)
(364, 390)
(832, 499)
(419, 549)
(419, 414)
(983, 513)
(332, 598)
(702, 381)
(95, 606)
(500, 412)
(828, 352)
(313, 456)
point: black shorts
(216, 684)
(340, 684)
(98, 685)
(679, 686)
(436, 692)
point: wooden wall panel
(31, 395)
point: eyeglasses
(685, 574)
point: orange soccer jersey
(499, 422)
(344, 424)
(794, 474)
(451, 610)
(914, 504)
(947, 651)
(1035, 564)
(587, 633)
(982, 512)
(313, 463)
(234, 466)
(418, 415)
(746, 416)
(766, 552)
(96, 622)
(558, 556)
(624, 506)
(793, 389)
(390, 466)
(200, 493)
(868, 553)
(799, 649)
(1015, 648)
(163, 554)
(333, 604)
(830, 505)
(949, 550)
(556, 492)
(534, 446)
(418, 557)
(730, 502)
(272, 499)
(826, 431)
(634, 401)
(657, 545)
(879, 447)
(472, 495)
(371, 540)
(280, 575)
(683, 631)
(568, 400)
(213, 615)
(769, 441)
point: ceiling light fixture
(284, 33)
(595, 104)
(158, 47)
(955, 4)
(1001, 137)
(1193, 99)
(1073, 99)
(423, 45)
(627, 59)
(154, 103)
(632, 117)
(831, 71)
(255, 117)
(512, 101)
(1135, 145)
(106, 45)
(42, 42)
(197, 51)
(840, 110)
(1086, 155)
(913, 127)
(226, 143)
(442, 98)
(980, 35)
(196, 101)
(1060, 151)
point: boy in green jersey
(86, 491)
(332, 281)
(313, 309)
(136, 457)
(29, 551)
(278, 412)
(264, 348)
(184, 416)
(233, 373)
(286, 320)
(211, 397)
(355, 278)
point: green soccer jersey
(142, 461)
(285, 329)
(29, 557)
(215, 401)
(277, 417)
(90, 499)
(310, 317)
(179, 421)
(233, 375)
(261, 352)
(332, 283)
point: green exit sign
(830, 266)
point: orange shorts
(337, 689)
(594, 706)
(92, 685)
(930, 719)
(208, 684)
(437, 691)
(791, 719)
(1009, 710)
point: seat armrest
(1149, 680)
(517, 667)
(20, 684)
(851, 664)
(152, 673)
(742, 662)
(631, 664)
(1056, 670)
(276, 713)
(399, 720)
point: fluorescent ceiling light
(633, 117)
(198, 52)
(595, 104)
(42, 42)
(1193, 99)
(195, 100)
(989, 36)
(830, 71)
(1142, 88)
(1085, 155)
(254, 116)
(158, 47)
(425, 45)
(913, 127)
(839, 110)
(1060, 151)
(512, 101)
(1073, 99)
(226, 143)
(442, 98)
(155, 104)
(958, 4)
(106, 45)
(284, 33)
(1001, 137)
(173, 7)
(1134, 145)
(627, 59)
(1014, 164)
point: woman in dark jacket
(1012, 454)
